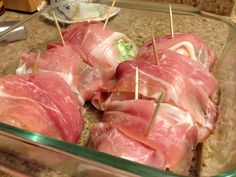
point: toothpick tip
(58, 28)
(108, 15)
(155, 50)
(155, 113)
(136, 82)
(35, 67)
(171, 21)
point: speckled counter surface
(138, 25)
(38, 34)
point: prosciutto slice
(188, 45)
(105, 138)
(69, 63)
(190, 68)
(27, 115)
(125, 128)
(99, 45)
(41, 103)
(155, 80)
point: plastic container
(136, 19)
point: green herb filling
(126, 50)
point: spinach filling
(126, 50)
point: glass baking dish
(138, 20)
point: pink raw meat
(190, 68)
(69, 63)
(154, 80)
(172, 138)
(51, 93)
(98, 44)
(189, 45)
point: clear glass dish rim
(89, 155)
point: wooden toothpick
(108, 15)
(155, 50)
(136, 83)
(155, 114)
(35, 68)
(58, 28)
(171, 21)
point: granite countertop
(143, 25)
(138, 25)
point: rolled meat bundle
(188, 45)
(178, 90)
(41, 103)
(104, 47)
(190, 68)
(170, 142)
(69, 63)
(88, 59)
